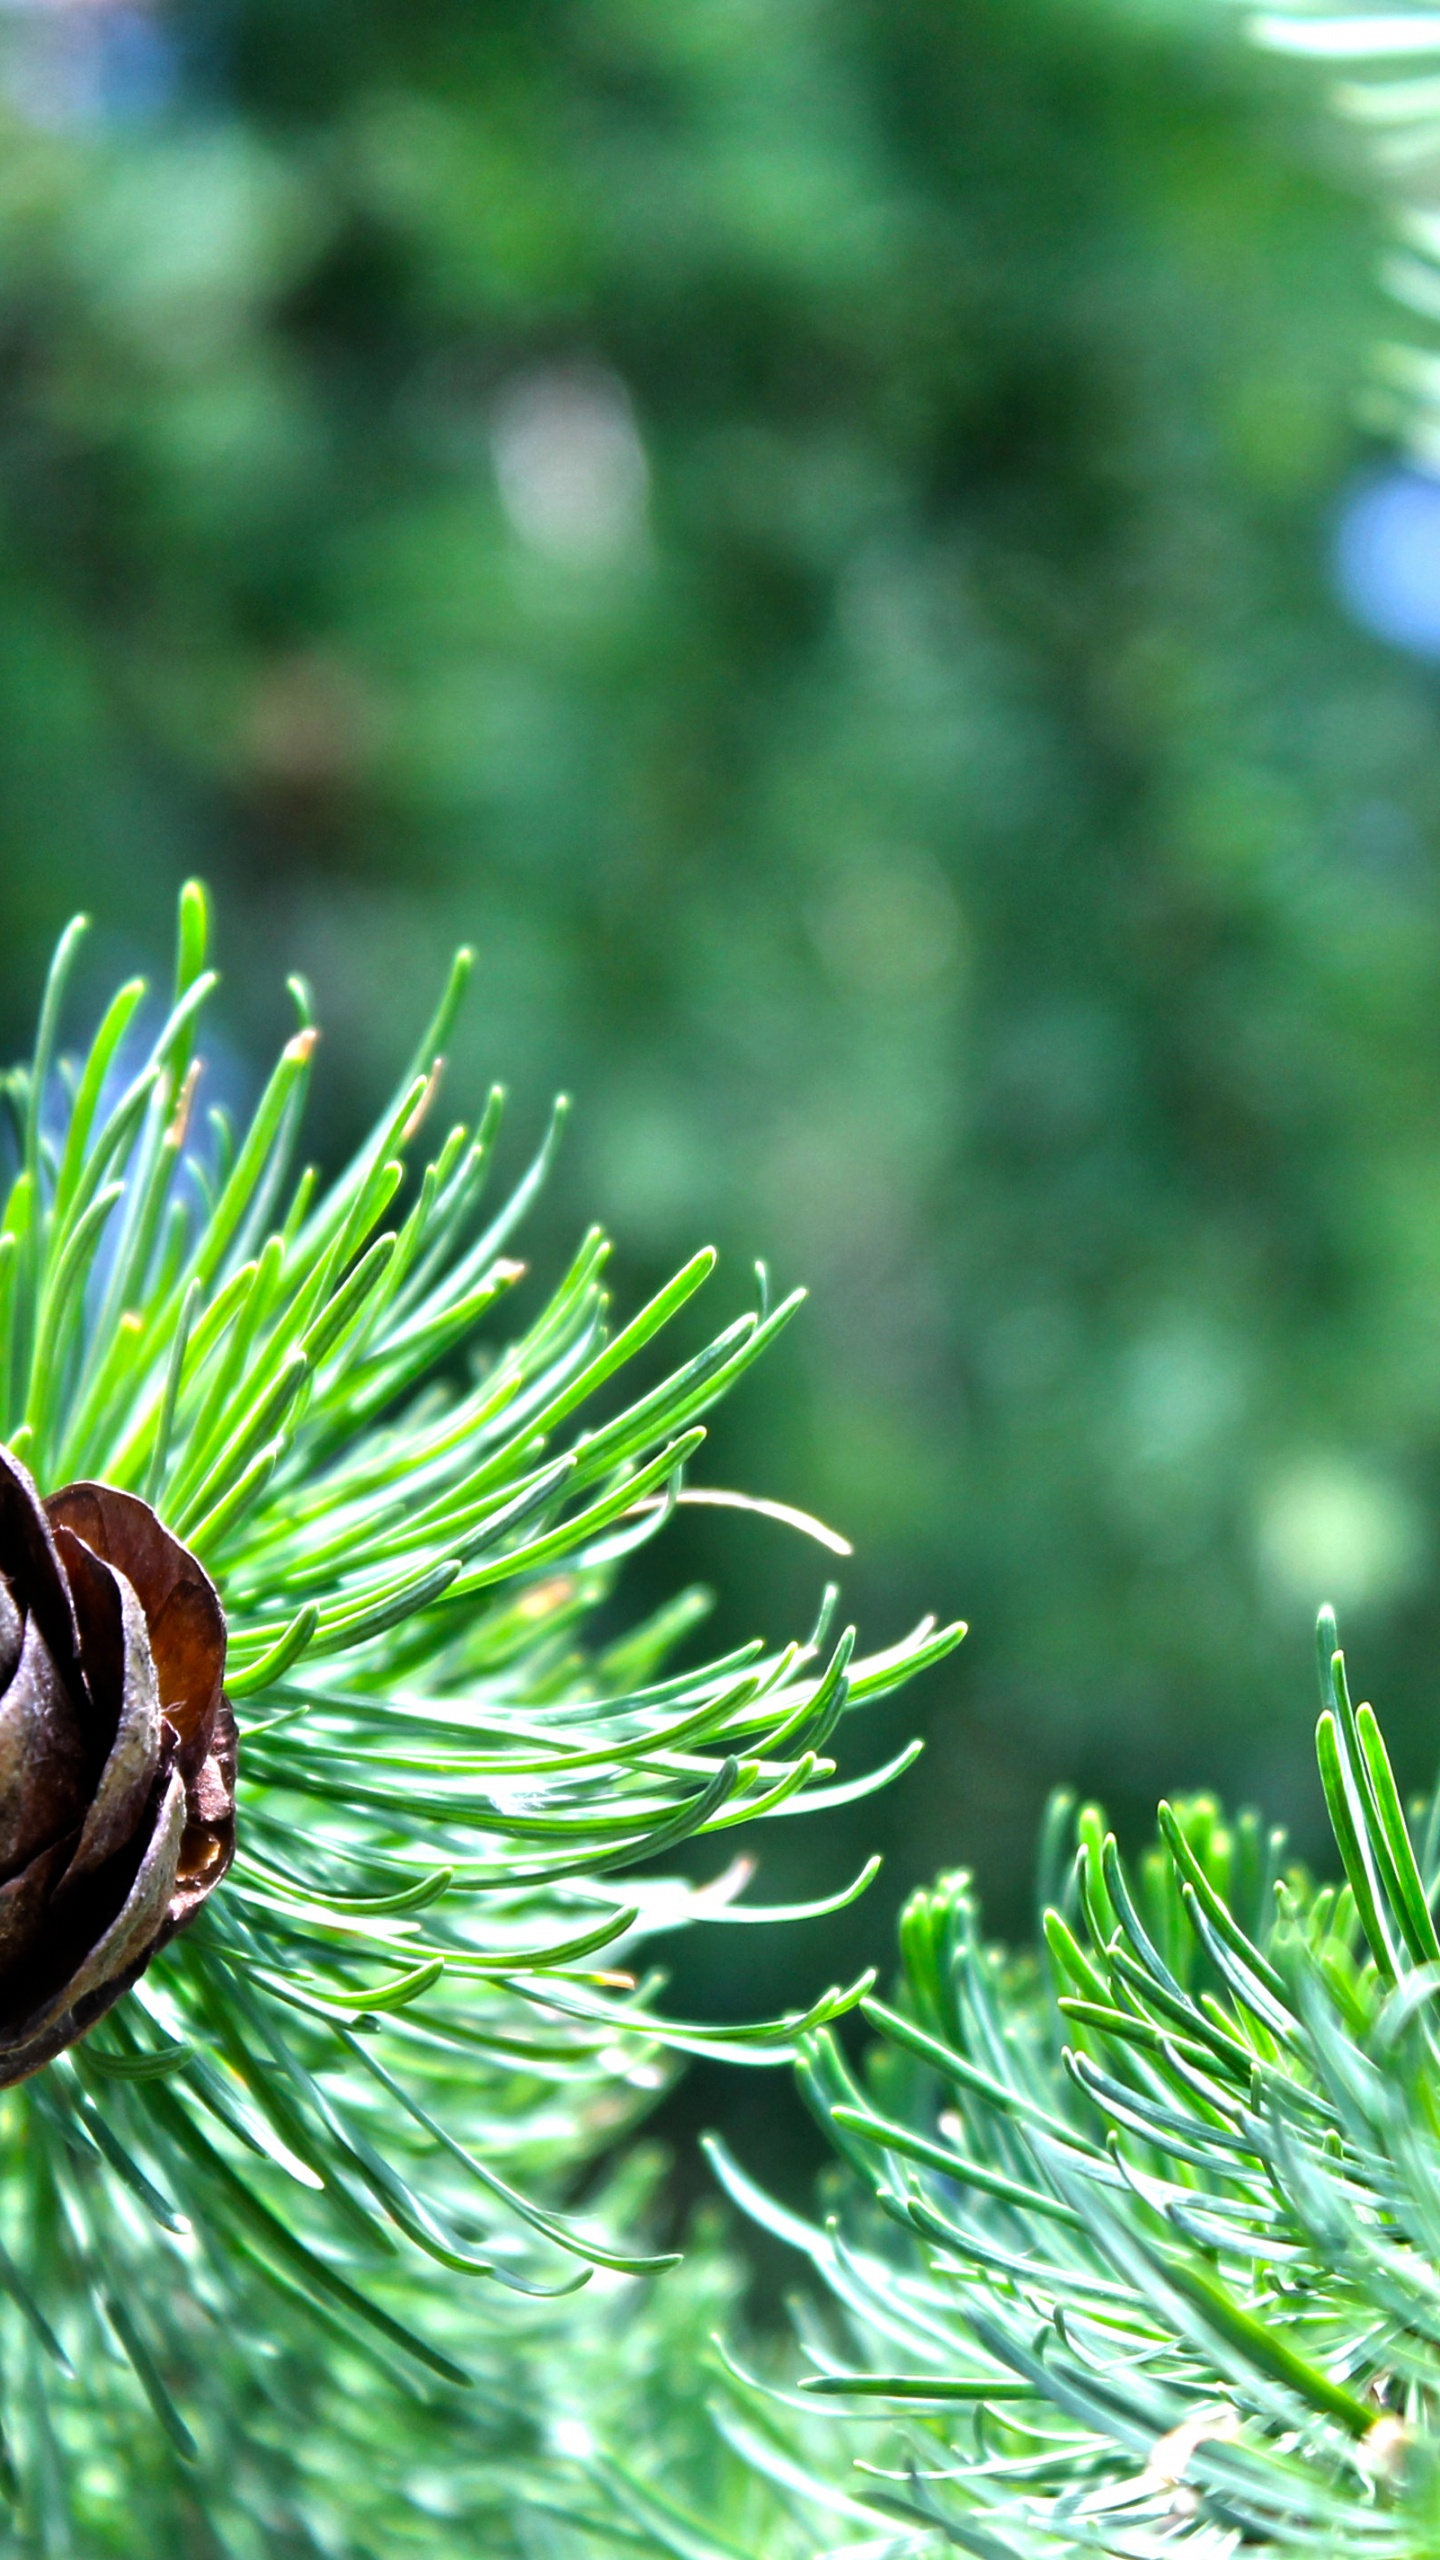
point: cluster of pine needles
(1131, 2245)
(287, 2179)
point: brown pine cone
(117, 1755)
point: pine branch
(369, 2071)
(1139, 2246)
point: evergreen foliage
(367, 2076)
(987, 389)
(1135, 2249)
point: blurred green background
(805, 531)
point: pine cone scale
(31, 1564)
(24, 1899)
(184, 1620)
(120, 1667)
(42, 1755)
(135, 1930)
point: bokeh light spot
(1332, 1530)
(1387, 559)
(571, 468)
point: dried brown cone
(117, 1755)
